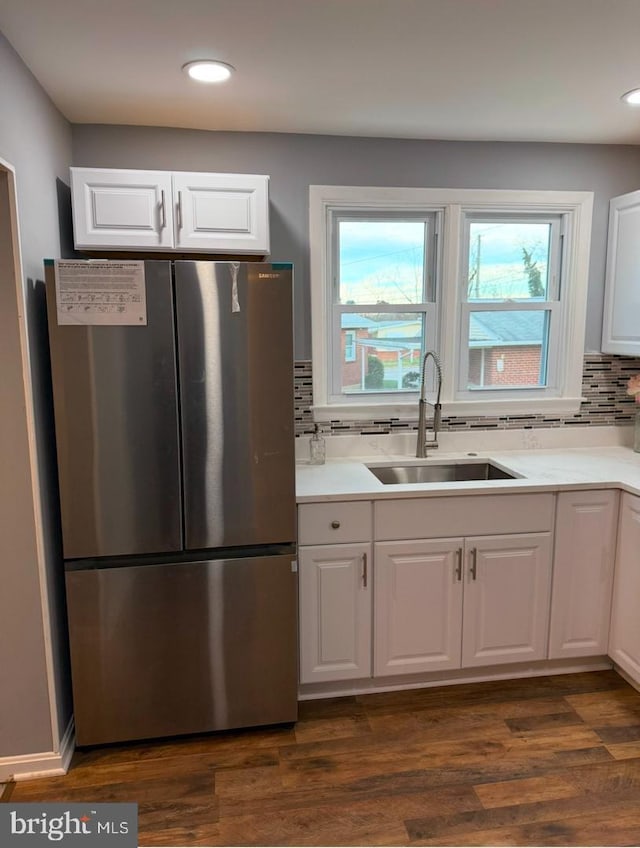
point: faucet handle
(437, 416)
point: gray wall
(296, 161)
(36, 141)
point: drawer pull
(335, 524)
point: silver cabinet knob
(335, 524)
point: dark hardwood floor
(545, 761)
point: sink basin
(439, 472)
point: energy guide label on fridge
(100, 292)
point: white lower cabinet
(489, 585)
(585, 547)
(506, 599)
(335, 612)
(418, 606)
(624, 638)
(458, 603)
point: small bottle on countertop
(317, 447)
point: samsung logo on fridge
(71, 824)
(263, 276)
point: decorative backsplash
(604, 382)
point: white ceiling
(512, 70)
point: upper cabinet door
(122, 209)
(621, 327)
(223, 213)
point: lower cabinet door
(624, 638)
(418, 606)
(506, 598)
(585, 547)
(335, 612)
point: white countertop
(555, 469)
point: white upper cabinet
(121, 209)
(225, 212)
(163, 210)
(621, 319)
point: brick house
(505, 348)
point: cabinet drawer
(467, 515)
(336, 522)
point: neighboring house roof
(506, 329)
(486, 329)
(355, 321)
(390, 344)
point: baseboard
(45, 764)
(624, 674)
(371, 685)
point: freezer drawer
(162, 650)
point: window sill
(409, 411)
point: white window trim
(454, 203)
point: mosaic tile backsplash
(604, 383)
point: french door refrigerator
(175, 453)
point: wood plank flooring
(545, 761)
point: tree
(534, 277)
(374, 379)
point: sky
(383, 260)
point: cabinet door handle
(163, 211)
(473, 568)
(179, 210)
(364, 570)
(458, 569)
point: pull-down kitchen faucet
(423, 444)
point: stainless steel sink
(439, 472)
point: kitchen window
(494, 281)
(380, 303)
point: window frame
(451, 206)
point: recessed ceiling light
(207, 70)
(632, 97)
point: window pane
(386, 352)
(508, 349)
(508, 260)
(381, 261)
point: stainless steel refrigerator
(175, 453)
